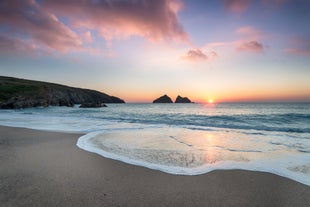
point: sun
(211, 100)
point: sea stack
(163, 99)
(180, 99)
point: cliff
(163, 99)
(20, 93)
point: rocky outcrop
(92, 105)
(180, 99)
(19, 93)
(163, 99)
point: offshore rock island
(18, 93)
(163, 99)
(180, 99)
(167, 99)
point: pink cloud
(296, 51)
(299, 46)
(153, 20)
(41, 22)
(237, 6)
(28, 19)
(249, 31)
(251, 46)
(88, 37)
(13, 45)
(273, 3)
(249, 41)
(240, 6)
(195, 55)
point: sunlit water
(187, 139)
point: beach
(42, 168)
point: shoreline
(45, 168)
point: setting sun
(211, 101)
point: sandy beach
(40, 168)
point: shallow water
(187, 138)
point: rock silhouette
(92, 105)
(163, 99)
(180, 99)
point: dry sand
(39, 168)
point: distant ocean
(187, 139)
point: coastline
(43, 168)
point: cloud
(299, 46)
(273, 3)
(251, 46)
(68, 25)
(153, 20)
(249, 41)
(237, 6)
(28, 20)
(240, 6)
(197, 55)
(249, 31)
(88, 37)
(12, 45)
(296, 51)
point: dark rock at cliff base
(180, 99)
(163, 99)
(92, 105)
(19, 93)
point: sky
(138, 50)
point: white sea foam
(192, 152)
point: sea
(186, 139)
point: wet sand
(40, 168)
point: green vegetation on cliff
(21, 93)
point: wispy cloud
(240, 6)
(88, 37)
(297, 51)
(16, 46)
(249, 31)
(237, 6)
(299, 46)
(249, 41)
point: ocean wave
(292, 123)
